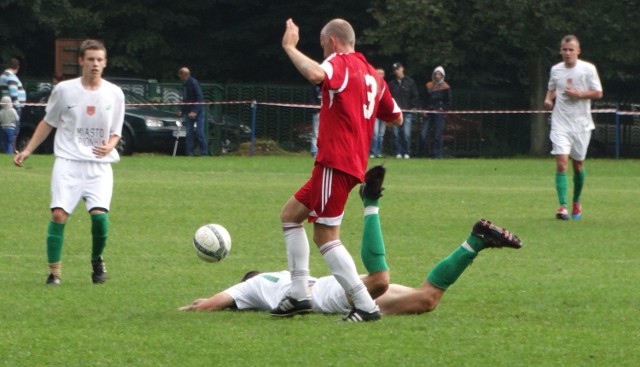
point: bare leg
(400, 299)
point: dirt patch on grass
(262, 147)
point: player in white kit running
(573, 83)
(88, 113)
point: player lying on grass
(262, 291)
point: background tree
(484, 44)
(510, 44)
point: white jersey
(264, 291)
(569, 114)
(85, 119)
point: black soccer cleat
(357, 315)
(53, 280)
(372, 187)
(495, 237)
(99, 274)
(290, 307)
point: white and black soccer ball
(212, 242)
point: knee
(378, 288)
(287, 216)
(59, 216)
(430, 305)
(377, 283)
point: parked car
(146, 128)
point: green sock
(561, 187)
(55, 239)
(370, 202)
(372, 249)
(99, 231)
(475, 242)
(448, 270)
(578, 182)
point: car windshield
(132, 97)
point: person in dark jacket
(405, 92)
(193, 114)
(438, 99)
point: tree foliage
(497, 44)
(510, 44)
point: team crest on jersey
(91, 110)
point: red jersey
(353, 96)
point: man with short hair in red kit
(353, 96)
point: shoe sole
(562, 216)
(576, 216)
(373, 180)
(292, 314)
(487, 230)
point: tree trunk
(539, 128)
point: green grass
(570, 297)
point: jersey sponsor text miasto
(85, 119)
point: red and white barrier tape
(311, 106)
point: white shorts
(574, 144)
(75, 180)
(328, 296)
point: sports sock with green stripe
(372, 250)
(578, 183)
(99, 231)
(55, 240)
(561, 187)
(449, 269)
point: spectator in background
(379, 128)
(192, 113)
(438, 99)
(404, 91)
(8, 120)
(315, 98)
(11, 86)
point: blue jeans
(402, 135)
(315, 125)
(379, 128)
(6, 142)
(437, 119)
(196, 131)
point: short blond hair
(342, 30)
(569, 38)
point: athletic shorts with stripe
(325, 194)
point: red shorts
(325, 194)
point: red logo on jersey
(91, 110)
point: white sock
(297, 244)
(344, 270)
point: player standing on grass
(88, 113)
(573, 84)
(353, 96)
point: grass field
(570, 297)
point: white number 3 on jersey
(372, 87)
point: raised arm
(309, 68)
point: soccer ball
(212, 242)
